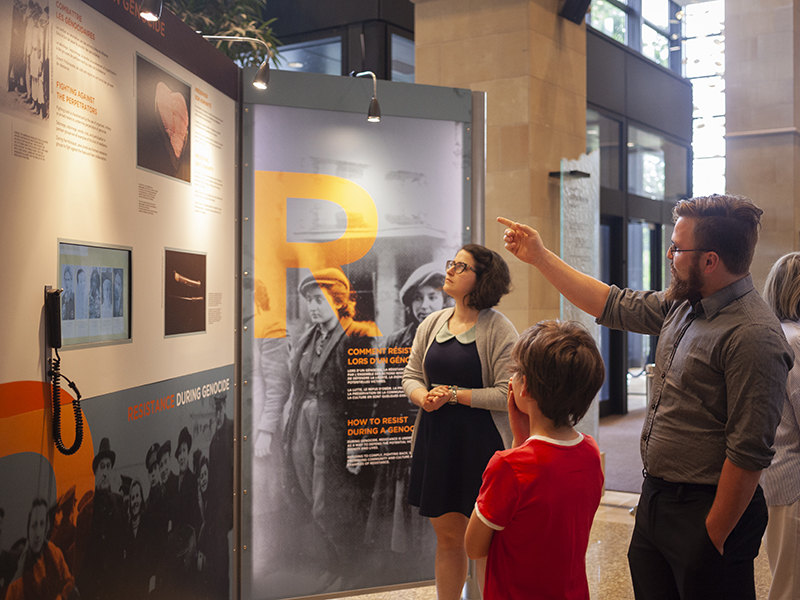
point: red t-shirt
(540, 499)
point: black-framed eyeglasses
(458, 267)
(673, 249)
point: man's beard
(689, 288)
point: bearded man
(717, 394)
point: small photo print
(68, 295)
(163, 113)
(118, 291)
(26, 32)
(184, 292)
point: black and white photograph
(95, 293)
(68, 295)
(328, 509)
(118, 292)
(163, 114)
(184, 292)
(81, 293)
(156, 521)
(27, 31)
(107, 294)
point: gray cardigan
(494, 338)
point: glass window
(603, 134)
(708, 95)
(317, 56)
(640, 277)
(704, 18)
(657, 168)
(657, 12)
(708, 176)
(610, 19)
(402, 59)
(708, 137)
(704, 56)
(655, 46)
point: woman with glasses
(457, 374)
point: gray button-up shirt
(719, 382)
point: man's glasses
(458, 267)
(673, 249)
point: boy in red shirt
(538, 499)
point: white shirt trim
(543, 438)
(486, 521)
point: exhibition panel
(357, 217)
(119, 194)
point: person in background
(219, 496)
(103, 519)
(391, 524)
(68, 299)
(43, 573)
(140, 550)
(64, 530)
(81, 301)
(457, 374)
(327, 499)
(421, 296)
(537, 502)
(718, 387)
(118, 292)
(781, 480)
(95, 294)
(185, 511)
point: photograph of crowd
(166, 536)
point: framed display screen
(96, 301)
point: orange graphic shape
(26, 426)
(274, 254)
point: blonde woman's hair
(782, 289)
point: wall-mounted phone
(52, 319)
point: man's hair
(493, 280)
(782, 289)
(562, 367)
(38, 502)
(726, 224)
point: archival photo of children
(163, 114)
(27, 35)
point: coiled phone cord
(76, 407)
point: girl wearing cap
(327, 497)
(457, 374)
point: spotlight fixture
(374, 114)
(261, 80)
(150, 10)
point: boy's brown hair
(562, 367)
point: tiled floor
(606, 560)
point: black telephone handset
(52, 315)
(52, 319)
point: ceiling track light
(150, 10)
(261, 80)
(374, 113)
